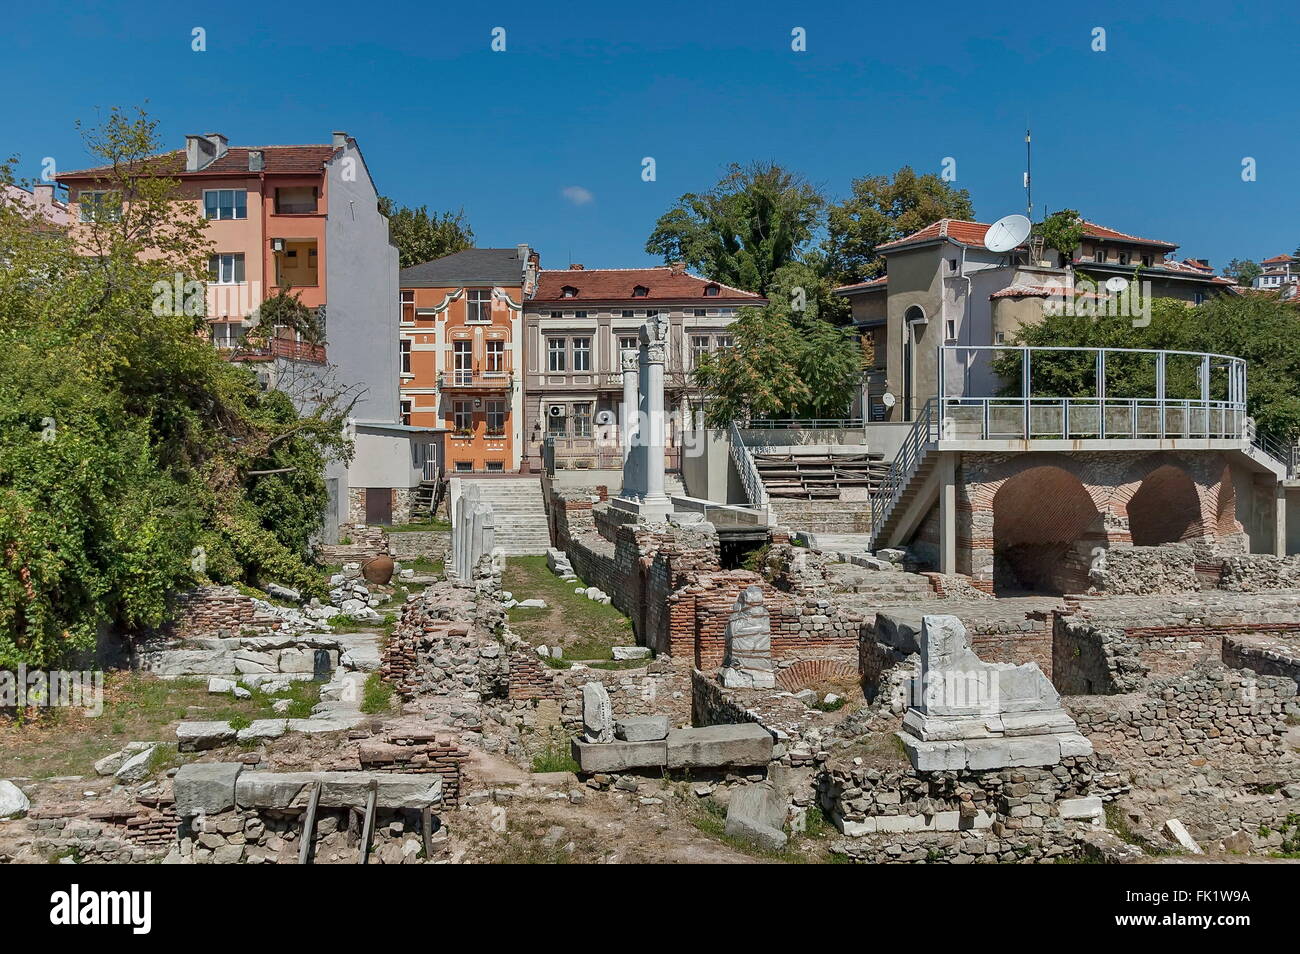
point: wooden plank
(309, 824)
(369, 826)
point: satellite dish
(1007, 233)
(888, 399)
(1116, 283)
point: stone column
(631, 363)
(748, 662)
(654, 352)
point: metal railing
(919, 440)
(1088, 418)
(755, 492)
(1288, 455)
(475, 379)
(804, 423)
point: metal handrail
(748, 470)
(924, 433)
(808, 423)
(1084, 418)
(1288, 455)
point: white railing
(755, 492)
(1042, 418)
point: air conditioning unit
(605, 417)
(557, 410)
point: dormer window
(640, 291)
(568, 291)
(710, 291)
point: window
(496, 418)
(462, 357)
(462, 417)
(1123, 258)
(699, 348)
(726, 312)
(711, 291)
(98, 206)
(579, 314)
(628, 313)
(555, 420)
(700, 312)
(950, 329)
(227, 268)
(227, 334)
(1099, 255)
(478, 305)
(568, 291)
(496, 356)
(725, 341)
(581, 354)
(1146, 261)
(407, 407)
(225, 203)
(582, 420)
(404, 352)
(556, 314)
(640, 291)
(555, 354)
(406, 302)
(495, 466)
(628, 343)
(295, 200)
(464, 465)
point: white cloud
(578, 195)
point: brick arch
(980, 496)
(1167, 507)
(1045, 523)
(1226, 523)
(808, 672)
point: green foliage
(1243, 271)
(757, 219)
(784, 363)
(377, 695)
(555, 757)
(134, 460)
(1259, 329)
(1062, 231)
(882, 209)
(421, 237)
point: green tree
(421, 236)
(1062, 231)
(134, 460)
(785, 362)
(881, 209)
(757, 218)
(1243, 271)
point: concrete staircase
(519, 512)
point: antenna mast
(1029, 181)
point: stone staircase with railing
(908, 477)
(521, 528)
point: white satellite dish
(888, 399)
(1007, 233)
(1116, 283)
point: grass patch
(586, 629)
(377, 696)
(423, 566)
(555, 757)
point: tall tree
(422, 237)
(758, 218)
(788, 360)
(1243, 271)
(882, 209)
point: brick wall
(207, 612)
(410, 750)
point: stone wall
(411, 750)
(1261, 571)
(820, 516)
(141, 832)
(1271, 653)
(429, 544)
(212, 612)
(363, 543)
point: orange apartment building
(305, 218)
(461, 341)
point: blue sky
(1147, 137)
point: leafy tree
(757, 218)
(1243, 271)
(882, 209)
(1062, 231)
(134, 460)
(422, 237)
(784, 362)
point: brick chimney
(43, 194)
(256, 160)
(340, 139)
(575, 267)
(676, 268)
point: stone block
(756, 813)
(642, 729)
(1087, 809)
(618, 756)
(631, 652)
(261, 729)
(717, 745)
(291, 790)
(205, 787)
(197, 736)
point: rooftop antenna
(1029, 180)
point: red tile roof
(959, 230)
(616, 284)
(290, 160)
(1093, 230)
(871, 285)
(1278, 259)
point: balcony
(489, 380)
(284, 348)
